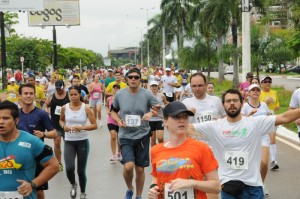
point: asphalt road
(105, 180)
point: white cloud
(103, 23)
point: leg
(113, 141)
(273, 146)
(82, 157)
(98, 107)
(40, 194)
(160, 136)
(153, 138)
(70, 155)
(264, 162)
(139, 180)
(128, 174)
(57, 148)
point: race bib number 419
(236, 159)
(178, 194)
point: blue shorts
(249, 192)
(136, 151)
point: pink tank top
(96, 93)
(110, 120)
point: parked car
(295, 69)
(228, 70)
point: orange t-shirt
(191, 160)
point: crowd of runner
(216, 146)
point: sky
(103, 24)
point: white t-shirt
(43, 80)
(261, 110)
(295, 102)
(237, 146)
(166, 80)
(207, 109)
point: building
(124, 53)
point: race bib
(178, 194)
(57, 110)
(169, 94)
(184, 81)
(204, 116)
(133, 120)
(236, 160)
(96, 95)
(12, 95)
(10, 195)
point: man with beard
(236, 141)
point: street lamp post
(141, 44)
(3, 51)
(148, 55)
(246, 6)
(54, 48)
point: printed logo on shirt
(9, 163)
(173, 164)
(242, 133)
(25, 144)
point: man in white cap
(169, 82)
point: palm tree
(176, 12)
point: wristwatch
(33, 185)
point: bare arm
(116, 117)
(287, 117)
(51, 168)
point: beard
(233, 114)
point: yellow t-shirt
(109, 88)
(12, 93)
(179, 79)
(273, 94)
(39, 94)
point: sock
(273, 152)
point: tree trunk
(208, 61)
(219, 49)
(235, 82)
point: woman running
(113, 127)
(96, 89)
(73, 119)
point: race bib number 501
(178, 194)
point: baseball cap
(110, 70)
(37, 79)
(153, 83)
(174, 108)
(168, 69)
(253, 86)
(176, 71)
(59, 84)
(12, 79)
(265, 77)
(249, 75)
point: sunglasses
(267, 82)
(133, 77)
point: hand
(25, 188)
(253, 111)
(38, 134)
(147, 116)
(297, 122)
(121, 123)
(193, 110)
(180, 184)
(153, 193)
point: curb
(287, 135)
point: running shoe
(83, 196)
(113, 158)
(274, 165)
(119, 157)
(138, 197)
(129, 194)
(266, 191)
(73, 191)
(100, 123)
(61, 167)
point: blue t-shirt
(18, 161)
(37, 119)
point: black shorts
(113, 127)
(144, 81)
(39, 168)
(136, 151)
(170, 99)
(156, 125)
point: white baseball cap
(153, 83)
(168, 69)
(253, 86)
(12, 79)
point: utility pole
(3, 51)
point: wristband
(152, 185)
(44, 134)
(33, 185)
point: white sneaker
(266, 191)
(100, 123)
(119, 157)
(113, 159)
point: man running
(236, 141)
(133, 104)
(22, 151)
